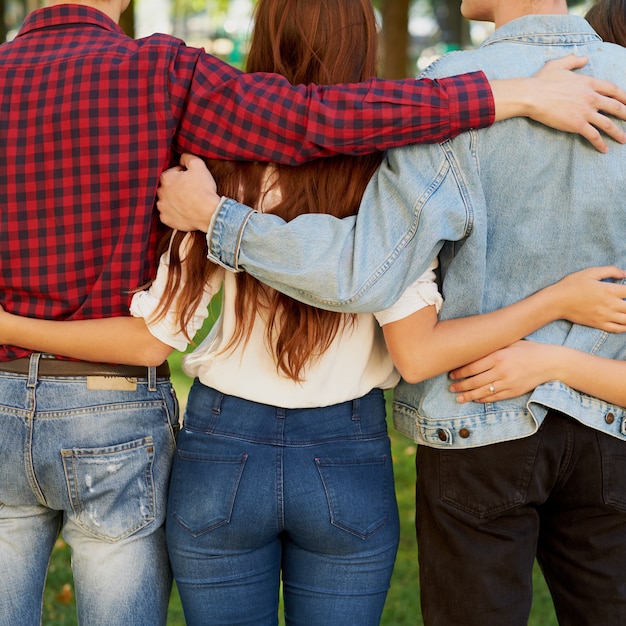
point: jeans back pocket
(111, 488)
(359, 492)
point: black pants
(483, 514)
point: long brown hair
(608, 19)
(307, 41)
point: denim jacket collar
(544, 29)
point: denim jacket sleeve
(414, 202)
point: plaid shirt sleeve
(225, 113)
(90, 119)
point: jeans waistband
(56, 367)
(211, 412)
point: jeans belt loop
(217, 402)
(356, 409)
(152, 378)
(33, 370)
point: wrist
(559, 362)
(551, 304)
(214, 205)
(513, 98)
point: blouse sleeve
(422, 293)
(166, 329)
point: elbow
(412, 377)
(153, 354)
(415, 370)
(412, 373)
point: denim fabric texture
(514, 200)
(93, 465)
(559, 495)
(509, 209)
(258, 491)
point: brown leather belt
(57, 367)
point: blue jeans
(95, 465)
(257, 491)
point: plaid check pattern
(89, 118)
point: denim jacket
(510, 209)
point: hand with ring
(516, 370)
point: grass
(402, 607)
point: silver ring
(492, 389)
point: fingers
(597, 100)
(615, 328)
(476, 391)
(614, 96)
(189, 161)
(606, 99)
(569, 62)
(593, 136)
(601, 122)
(602, 272)
(479, 381)
(169, 176)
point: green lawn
(402, 607)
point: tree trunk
(395, 38)
(3, 23)
(127, 20)
(454, 27)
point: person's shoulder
(612, 50)
(452, 63)
(607, 61)
(164, 41)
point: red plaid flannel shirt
(89, 118)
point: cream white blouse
(356, 361)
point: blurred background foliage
(414, 32)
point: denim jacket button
(609, 418)
(442, 435)
(464, 433)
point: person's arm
(554, 96)
(418, 198)
(125, 340)
(524, 365)
(350, 265)
(144, 339)
(224, 113)
(422, 347)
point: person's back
(552, 206)
(86, 130)
(537, 205)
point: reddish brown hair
(307, 41)
(608, 19)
